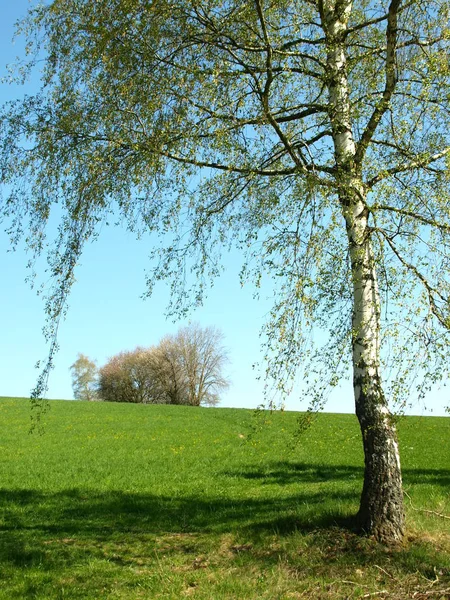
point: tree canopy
(312, 135)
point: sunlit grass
(129, 501)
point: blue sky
(107, 314)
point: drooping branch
(432, 291)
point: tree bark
(381, 506)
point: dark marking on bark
(381, 511)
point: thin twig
(424, 510)
(385, 572)
(442, 593)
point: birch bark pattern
(381, 506)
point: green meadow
(133, 501)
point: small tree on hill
(84, 378)
(188, 366)
(126, 377)
(202, 357)
(167, 371)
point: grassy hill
(132, 501)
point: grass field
(130, 501)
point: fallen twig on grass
(431, 582)
(438, 593)
(424, 510)
(385, 572)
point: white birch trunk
(381, 507)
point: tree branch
(390, 82)
(413, 215)
(401, 168)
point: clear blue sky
(106, 312)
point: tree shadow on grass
(288, 472)
(82, 512)
(73, 529)
(440, 477)
(48, 529)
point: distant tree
(113, 382)
(202, 357)
(126, 377)
(84, 378)
(188, 367)
(167, 371)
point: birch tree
(313, 135)
(84, 378)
